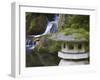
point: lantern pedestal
(67, 62)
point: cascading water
(52, 27)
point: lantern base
(67, 62)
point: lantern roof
(67, 38)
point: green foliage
(50, 46)
(32, 25)
(77, 21)
(54, 47)
(77, 25)
(42, 50)
(35, 23)
(78, 33)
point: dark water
(44, 59)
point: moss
(35, 23)
(32, 25)
(78, 33)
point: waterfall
(49, 26)
(52, 27)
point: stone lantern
(73, 51)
